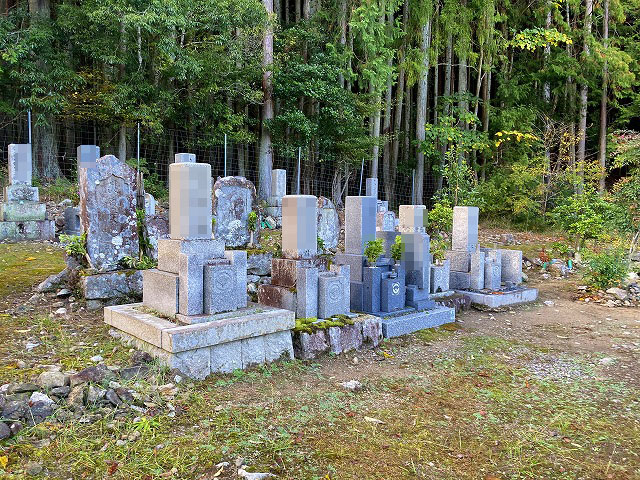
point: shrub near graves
(606, 268)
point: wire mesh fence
(317, 173)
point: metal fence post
(29, 121)
(413, 186)
(225, 154)
(361, 174)
(138, 147)
(299, 164)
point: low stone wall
(366, 332)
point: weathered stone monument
(328, 223)
(22, 217)
(194, 315)
(233, 199)
(385, 218)
(278, 190)
(296, 283)
(399, 293)
(490, 277)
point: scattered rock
(49, 380)
(76, 397)
(39, 397)
(352, 385)
(133, 372)
(113, 398)
(140, 357)
(124, 395)
(95, 394)
(619, 293)
(15, 410)
(39, 412)
(96, 358)
(5, 431)
(549, 303)
(15, 427)
(64, 293)
(33, 468)
(22, 388)
(61, 311)
(607, 361)
(242, 473)
(95, 374)
(61, 391)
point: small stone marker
(465, 228)
(360, 217)
(20, 165)
(328, 223)
(372, 187)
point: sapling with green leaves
(373, 250)
(252, 224)
(397, 247)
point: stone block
(413, 219)
(386, 221)
(221, 287)
(87, 156)
(277, 296)
(157, 229)
(284, 271)
(238, 259)
(476, 279)
(72, 225)
(22, 211)
(356, 264)
(278, 183)
(31, 230)
(465, 228)
(459, 261)
(252, 351)
(356, 293)
(333, 290)
(278, 345)
(419, 298)
(412, 322)
(307, 292)
(416, 259)
(184, 158)
(310, 345)
(372, 187)
(371, 330)
(169, 252)
(20, 166)
(459, 280)
(392, 293)
(492, 274)
(233, 200)
(226, 357)
(112, 285)
(382, 206)
(190, 201)
(21, 192)
(360, 223)
(440, 277)
(299, 226)
(160, 291)
(149, 204)
(494, 254)
(345, 272)
(191, 288)
(141, 325)
(194, 364)
(259, 263)
(511, 266)
(504, 298)
(371, 281)
(343, 339)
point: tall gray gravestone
(233, 199)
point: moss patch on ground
(23, 265)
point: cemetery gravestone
(328, 223)
(233, 199)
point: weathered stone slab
(21, 192)
(333, 294)
(412, 322)
(252, 352)
(511, 266)
(284, 271)
(344, 339)
(310, 345)
(372, 187)
(299, 226)
(459, 280)
(31, 230)
(169, 252)
(356, 264)
(277, 297)
(503, 298)
(307, 292)
(277, 346)
(492, 274)
(149, 204)
(233, 200)
(440, 277)
(328, 223)
(259, 263)
(278, 183)
(157, 229)
(238, 259)
(72, 225)
(226, 357)
(220, 287)
(386, 221)
(111, 285)
(371, 330)
(190, 200)
(131, 320)
(22, 211)
(108, 212)
(476, 279)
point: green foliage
(559, 249)
(440, 217)
(532, 38)
(252, 221)
(59, 189)
(75, 245)
(320, 243)
(439, 246)
(461, 184)
(142, 263)
(152, 182)
(606, 268)
(373, 250)
(311, 325)
(397, 248)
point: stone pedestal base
(502, 298)
(397, 325)
(28, 230)
(22, 211)
(250, 336)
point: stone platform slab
(28, 230)
(502, 299)
(250, 336)
(398, 325)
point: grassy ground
(22, 264)
(507, 395)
